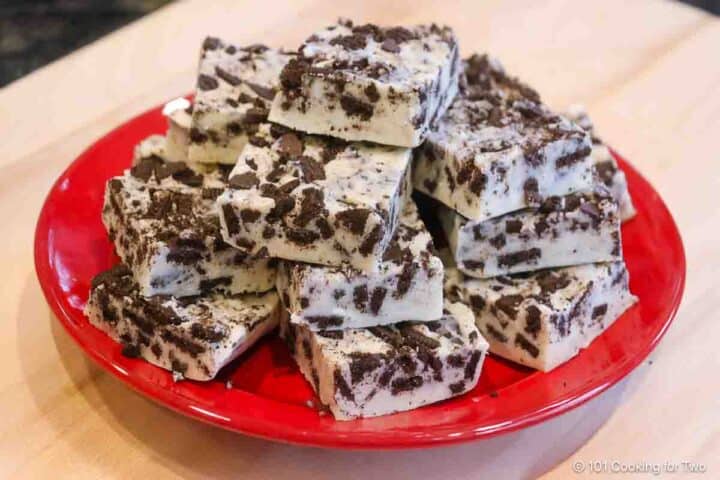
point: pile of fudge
(292, 195)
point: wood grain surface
(649, 73)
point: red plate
(270, 399)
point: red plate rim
(268, 426)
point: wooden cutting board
(649, 73)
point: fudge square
(499, 149)
(162, 219)
(364, 82)
(544, 318)
(605, 166)
(407, 284)
(194, 337)
(571, 230)
(315, 199)
(235, 87)
(609, 174)
(173, 146)
(177, 138)
(381, 370)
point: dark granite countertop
(36, 32)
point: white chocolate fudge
(408, 284)
(606, 168)
(382, 370)
(544, 318)
(499, 149)
(570, 230)
(163, 221)
(315, 199)
(194, 338)
(364, 82)
(235, 87)
(159, 149)
(153, 146)
(177, 139)
(609, 174)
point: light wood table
(649, 73)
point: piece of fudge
(315, 199)
(163, 221)
(499, 149)
(363, 82)
(235, 88)
(163, 149)
(609, 174)
(177, 139)
(606, 168)
(571, 230)
(544, 318)
(193, 337)
(380, 370)
(152, 146)
(407, 284)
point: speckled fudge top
(607, 168)
(554, 290)
(205, 322)
(442, 333)
(303, 177)
(411, 243)
(495, 115)
(408, 56)
(369, 348)
(235, 83)
(592, 207)
(169, 202)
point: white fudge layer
(315, 200)
(173, 146)
(385, 85)
(571, 230)
(382, 370)
(499, 149)
(164, 224)
(149, 147)
(235, 87)
(543, 319)
(193, 338)
(609, 174)
(177, 139)
(606, 168)
(407, 285)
